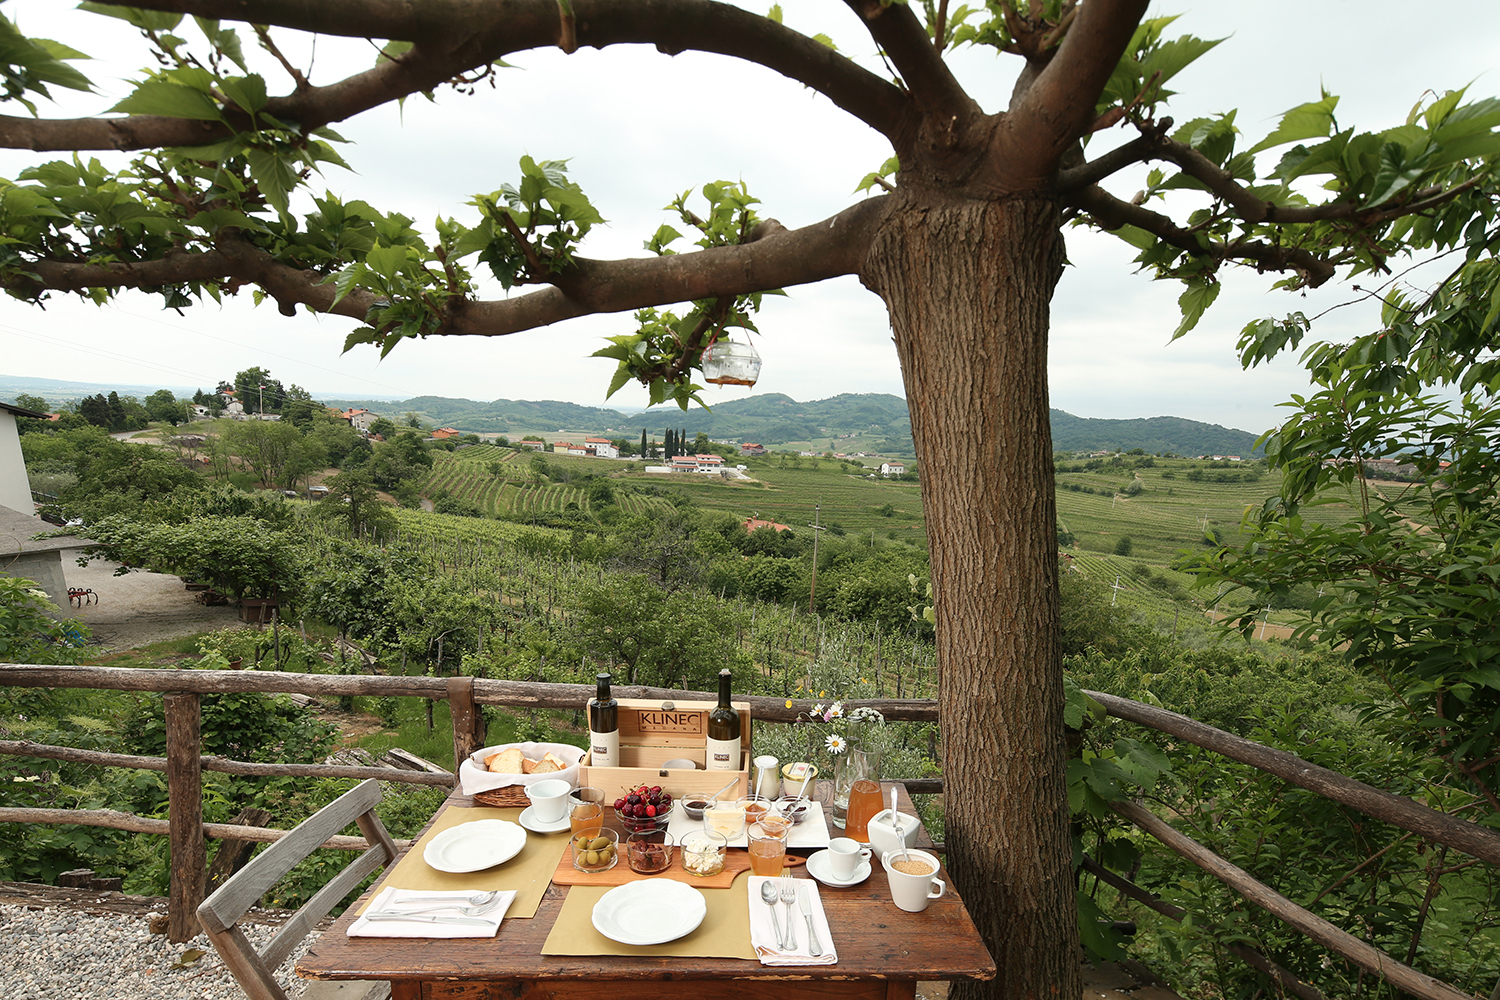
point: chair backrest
(220, 912)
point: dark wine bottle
(604, 726)
(723, 731)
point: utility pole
(262, 407)
(817, 530)
(1116, 589)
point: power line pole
(817, 530)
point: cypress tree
(644, 452)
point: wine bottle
(723, 731)
(604, 726)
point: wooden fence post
(185, 817)
(468, 729)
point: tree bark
(968, 287)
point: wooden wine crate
(652, 733)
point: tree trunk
(968, 287)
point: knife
(804, 902)
(432, 918)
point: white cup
(913, 892)
(844, 856)
(549, 799)
(883, 832)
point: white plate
(529, 821)
(475, 845)
(643, 913)
(819, 868)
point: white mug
(549, 799)
(913, 892)
(844, 856)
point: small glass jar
(649, 851)
(703, 852)
(598, 853)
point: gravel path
(139, 607)
(62, 954)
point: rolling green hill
(871, 423)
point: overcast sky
(640, 127)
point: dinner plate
(819, 868)
(653, 912)
(475, 845)
(529, 821)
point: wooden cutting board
(735, 861)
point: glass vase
(857, 766)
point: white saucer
(818, 868)
(529, 821)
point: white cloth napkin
(763, 931)
(423, 928)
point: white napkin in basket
(423, 928)
(763, 931)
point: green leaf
(1306, 121)
(169, 100)
(247, 92)
(386, 261)
(275, 176)
(1198, 297)
(150, 20)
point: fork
(468, 911)
(431, 918)
(788, 897)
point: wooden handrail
(223, 765)
(1439, 827)
(131, 823)
(1366, 956)
(519, 694)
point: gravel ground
(62, 954)
(139, 607)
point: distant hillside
(872, 422)
(1153, 435)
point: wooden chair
(220, 912)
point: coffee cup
(883, 832)
(913, 879)
(844, 857)
(549, 799)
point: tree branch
(1112, 213)
(1058, 108)
(776, 258)
(935, 90)
(455, 36)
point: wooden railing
(184, 765)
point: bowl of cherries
(644, 808)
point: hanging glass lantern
(730, 362)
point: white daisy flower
(835, 743)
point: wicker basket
(509, 797)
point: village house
(685, 463)
(443, 433)
(601, 447)
(21, 555)
(360, 420)
(751, 448)
(892, 468)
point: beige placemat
(724, 933)
(529, 872)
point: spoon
(896, 822)
(472, 899)
(770, 896)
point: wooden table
(883, 953)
